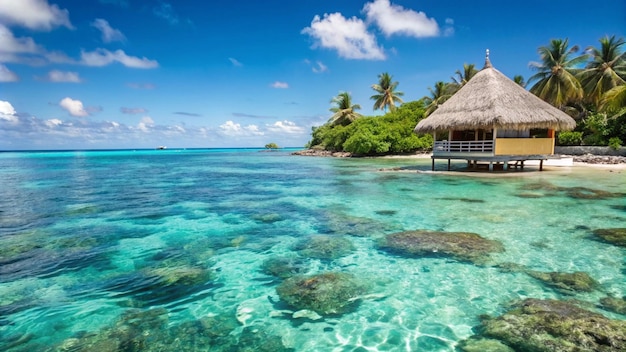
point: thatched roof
(490, 99)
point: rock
(326, 293)
(566, 282)
(616, 236)
(284, 267)
(556, 326)
(305, 313)
(324, 247)
(617, 305)
(318, 152)
(599, 159)
(483, 345)
(463, 246)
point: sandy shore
(608, 163)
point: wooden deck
(474, 160)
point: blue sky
(94, 74)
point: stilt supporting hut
(493, 120)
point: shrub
(570, 138)
(615, 143)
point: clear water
(84, 234)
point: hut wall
(524, 146)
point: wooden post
(448, 164)
(541, 165)
(433, 167)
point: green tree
(606, 69)
(271, 146)
(462, 77)
(344, 111)
(441, 92)
(519, 79)
(614, 101)
(556, 80)
(387, 96)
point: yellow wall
(524, 146)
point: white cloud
(103, 57)
(7, 112)
(7, 75)
(74, 107)
(52, 123)
(285, 127)
(348, 36)
(33, 14)
(231, 128)
(61, 76)
(449, 28)
(235, 62)
(9, 44)
(395, 19)
(109, 34)
(145, 124)
(319, 67)
(280, 85)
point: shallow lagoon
(141, 250)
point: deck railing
(463, 146)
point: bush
(615, 143)
(570, 138)
(391, 133)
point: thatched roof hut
(492, 100)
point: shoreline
(587, 160)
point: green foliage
(615, 143)
(570, 138)
(391, 133)
(271, 146)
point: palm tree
(463, 77)
(556, 77)
(519, 79)
(442, 92)
(344, 110)
(614, 101)
(386, 97)
(605, 71)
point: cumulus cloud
(7, 112)
(9, 44)
(280, 85)
(74, 107)
(61, 76)
(133, 111)
(230, 128)
(103, 57)
(33, 14)
(7, 75)
(109, 34)
(348, 36)
(285, 127)
(145, 124)
(235, 62)
(395, 19)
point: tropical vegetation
(590, 87)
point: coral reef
(324, 247)
(555, 326)
(616, 236)
(463, 246)
(326, 293)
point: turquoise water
(167, 248)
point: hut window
(513, 134)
